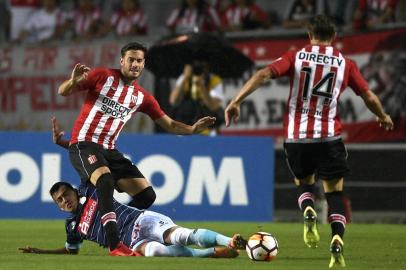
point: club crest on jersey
(92, 159)
(134, 99)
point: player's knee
(335, 185)
(143, 199)
(99, 172)
(180, 236)
(105, 181)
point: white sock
(155, 249)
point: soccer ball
(262, 246)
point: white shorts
(150, 226)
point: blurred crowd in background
(38, 21)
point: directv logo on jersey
(320, 58)
(114, 108)
(87, 216)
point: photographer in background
(197, 92)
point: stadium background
(29, 75)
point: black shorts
(328, 160)
(86, 157)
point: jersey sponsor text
(320, 58)
(87, 216)
(114, 108)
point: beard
(131, 74)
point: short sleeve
(282, 65)
(151, 107)
(355, 80)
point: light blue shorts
(150, 226)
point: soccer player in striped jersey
(113, 96)
(318, 74)
(147, 233)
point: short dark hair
(133, 46)
(322, 27)
(55, 187)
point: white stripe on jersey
(293, 98)
(320, 101)
(117, 121)
(337, 88)
(297, 103)
(93, 111)
(306, 104)
(103, 120)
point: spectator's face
(66, 199)
(132, 64)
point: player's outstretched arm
(34, 250)
(375, 106)
(180, 128)
(232, 111)
(79, 73)
(57, 134)
(203, 123)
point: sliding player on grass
(146, 233)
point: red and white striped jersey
(124, 22)
(83, 20)
(318, 75)
(109, 104)
(235, 15)
(206, 21)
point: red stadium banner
(381, 57)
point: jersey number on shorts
(323, 88)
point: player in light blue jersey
(147, 233)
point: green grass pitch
(367, 246)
